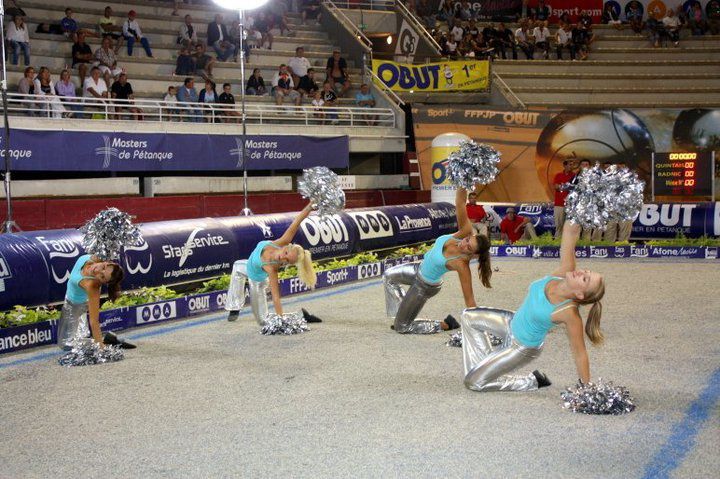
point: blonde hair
(304, 265)
(592, 324)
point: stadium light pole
(9, 225)
(241, 6)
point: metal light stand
(246, 210)
(9, 225)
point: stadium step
(605, 66)
(629, 80)
(678, 96)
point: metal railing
(350, 25)
(507, 92)
(160, 111)
(383, 87)
(417, 25)
(366, 4)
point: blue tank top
(255, 263)
(533, 320)
(433, 266)
(74, 292)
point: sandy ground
(351, 398)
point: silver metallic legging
(405, 307)
(486, 369)
(236, 292)
(73, 323)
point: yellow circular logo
(657, 9)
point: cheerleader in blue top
(82, 300)
(449, 253)
(260, 271)
(550, 301)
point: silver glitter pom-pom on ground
(598, 398)
(599, 197)
(456, 339)
(471, 164)
(86, 352)
(108, 232)
(288, 323)
(320, 185)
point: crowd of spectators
(688, 16)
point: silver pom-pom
(471, 164)
(108, 232)
(456, 340)
(85, 352)
(288, 323)
(320, 185)
(599, 197)
(598, 398)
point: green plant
(216, 284)
(682, 240)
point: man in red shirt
(477, 215)
(514, 227)
(561, 192)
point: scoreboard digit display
(683, 173)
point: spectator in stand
(187, 95)
(563, 40)
(451, 47)
(308, 86)
(256, 84)
(311, 10)
(525, 11)
(635, 18)
(465, 12)
(185, 63)
(122, 92)
(522, 39)
(219, 40)
(277, 13)
(477, 215)
(713, 16)
(447, 13)
(337, 73)
(298, 66)
(253, 38)
(95, 87)
(428, 13)
(506, 40)
(45, 88)
(611, 16)
(132, 33)
(564, 18)
(330, 99)
(580, 39)
(561, 185)
(108, 29)
(586, 22)
(696, 20)
(204, 63)
(106, 61)
(457, 32)
(542, 11)
(226, 98)
(65, 89)
(262, 25)
(515, 227)
(672, 26)
(283, 86)
(491, 37)
(472, 29)
(82, 55)
(187, 36)
(26, 86)
(170, 99)
(208, 96)
(70, 27)
(542, 38)
(18, 39)
(317, 104)
(365, 99)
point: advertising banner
(33, 150)
(534, 143)
(658, 8)
(433, 77)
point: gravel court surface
(351, 398)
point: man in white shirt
(298, 65)
(542, 38)
(132, 33)
(522, 38)
(94, 86)
(457, 33)
(672, 26)
(563, 39)
(187, 35)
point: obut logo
(372, 224)
(327, 231)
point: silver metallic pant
(236, 292)
(73, 323)
(405, 307)
(486, 369)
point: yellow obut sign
(429, 77)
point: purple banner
(33, 150)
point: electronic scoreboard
(686, 174)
